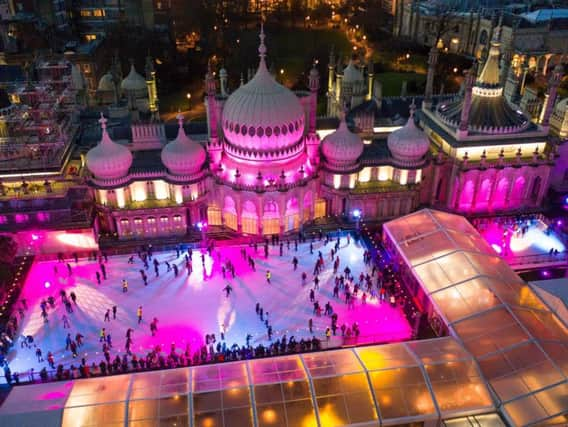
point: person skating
(175, 267)
(38, 355)
(114, 311)
(103, 270)
(107, 316)
(68, 341)
(109, 341)
(129, 333)
(65, 322)
(124, 286)
(312, 295)
(311, 325)
(295, 263)
(102, 335)
(73, 348)
(79, 339)
(139, 314)
(269, 331)
(327, 333)
(98, 276)
(50, 360)
(257, 308)
(69, 269)
(227, 290)
(268, 276)
(304, 277)
(261, 314)
(73, 297)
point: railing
(518, 261)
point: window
(99, 12)
(90, 37)
(86, 13)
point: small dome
(183, 156)
(342, 147)
(408, 144)
(223, 72)
(352, 74)
(133, 82)
(106, 83)
(108, 160)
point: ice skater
(65, 321)
(139, 314)
(228, 289)
(107, 316)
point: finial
(412, 109)
(262, 48)
(242, 79)
(103, 122)
(179, 118)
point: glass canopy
(520, 345)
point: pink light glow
(188, 307)
(77, 240)
(47, 285)
(496, 248)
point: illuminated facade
(264, 171)
(490, 156)
(266, 165)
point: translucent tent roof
(378, 385)
(518, 342)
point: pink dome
(108, 160)
(263, 115)
(342, 148)
(183, 156)
(408, 144)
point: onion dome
(183, 156)
(133, 82)
(342, 148)
(106, 83)
(352, 74)
(262, 115)
(108, 160)
(408, 144)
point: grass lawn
(292, 50)
(392, 82)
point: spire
(105, 138)
(262, 48)
(490, 75)
(149, 66)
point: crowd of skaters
(213, 349)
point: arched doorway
(292, 215)
(466, 196)
(271, 218)
(249, 218)
(308, 202)
(320, 208)
(214, 215)
(230, 213)
(483, 194)
(517, 195)
(500, 194)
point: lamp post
(202, 227)
(188, 96)
(357, 215)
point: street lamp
(188, 96)
(357, 215)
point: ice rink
(188, 307)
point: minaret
(432, 61)
(371, 80)
(215, 146)
(314, 83)
(553, 84)
(152, 88)
(223, 76)
(331, 70)
(464, 119)
(210, 102)
(312, 138)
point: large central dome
(262, 116)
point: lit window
(86, 13)
(90, 37)
(99, 12)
